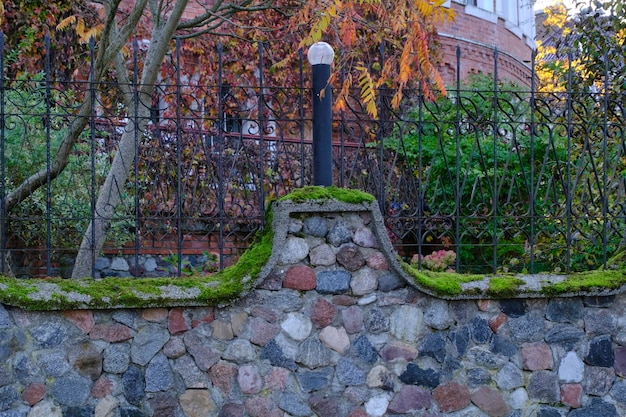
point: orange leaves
(84, 33)
(357, 28)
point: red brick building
(481, 26)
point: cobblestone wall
(332, 331)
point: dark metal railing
(504, 178)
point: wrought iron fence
(499, 176)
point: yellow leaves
(84, 33)
(1, 12)
(368, 91)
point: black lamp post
(320, 57)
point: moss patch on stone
(321, 194)
(601, 280)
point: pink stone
(620, 361)
(398, 350)
(249, 379)
(490, 401)
(496, 322)
(276, 380)
(452, 396)
(202, 315)
(300, 277)
(102, 387)
(322, 313)
(83, 319)
(352, 319)
(155, 315)
(537, 356)
(262, 331)
(570, 394)
(486, 305)
(410, 398)
(34, 393)
(176, 321)
(358, 413)
(222, 376)
(343, 300)
(111, 333)
(377, 261)
(265, 313)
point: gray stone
(527, 328)
(5, 320)
(191, 375)
(543, 387)
(25, 370)
(482, 357)
(133, 385)
(595, 408)
(71, 390)
(116, 358)
(198, 346)
(433, 345)
(240, 351)
(53, 362)
(119, 264)
(339, 234)
(364, 350)
(390, 281)
(364, 281)
(600, 352)
(599, 322)
(478, 376)
(147, 342)
(159, 375)
(8, 397)
(294, 405)
(333, 282)
(51, 333)
(513, 308)
(565, 310)
(350, 257)
(406, 323)
(315, 226)
(503, 346)
(479, 329)
(364, 237)
(377, 322)
(437, 314)
(232, 409)
(313, 354)
(565, 335)
(294, 251)
(571, 368)
(297, 326)
(414, 375)
(509, 377)
(315, 380)
(273, 352)
(460, 339)
(348, 373)
(322, 255)
(618, 392)
(598, 380)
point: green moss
(316, 193)
(504, 286)
(65, 294)
(445, 284)
(588, 281)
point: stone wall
(332, 330)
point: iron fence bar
(457, 133)
(420, 164)
(48, 151)
(342, 115)
(220, 159)
(136, 133)
(605, 157)
(381, 155)
(260, 122)
(531, 203)
(179, 161)
(92, 128)
(3, 243)
(494, 238)
(568, 193)
(301, 112)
